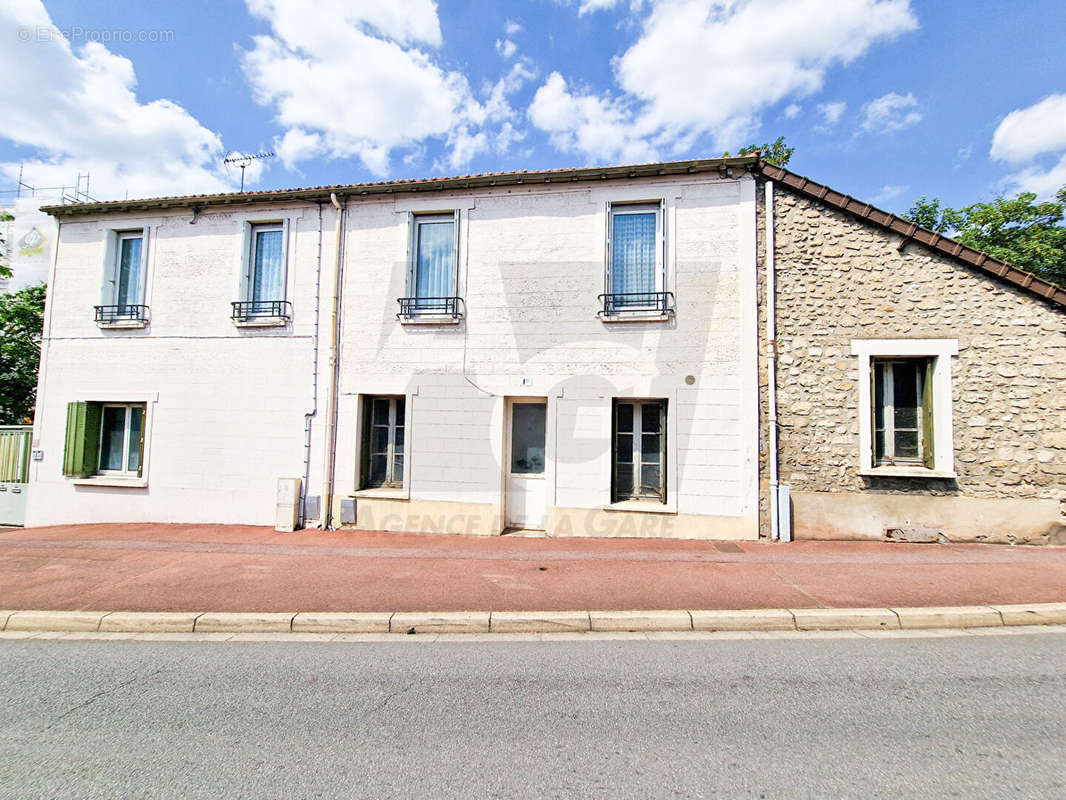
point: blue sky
(883, 99)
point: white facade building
(573, 351)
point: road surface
(964, 716)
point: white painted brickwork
(229, 419)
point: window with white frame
(383, 442)
(104, 439)
(636, 277)
(122, 299)
(639, 450)
(121, 439)
(905, 420)
(432, 277)
(264, 271)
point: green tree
(5, 268)
(1019, 230)
(21, 323)
(777, 152)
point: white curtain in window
(633, 254)
(266, 278)
(436, 259)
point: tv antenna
(244, 161)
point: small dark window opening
(383, 442)
(639, 450)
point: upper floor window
(122, 298)
(636, 276)
(432, 276)
(264, 273)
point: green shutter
(83, 440)
(927, 415)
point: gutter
(326, 513)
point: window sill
(636, 316)
(642, 506)
(430, 319)
(906, 472)
(261, 322)
(120, 324)
(383, 493)
(112, 481)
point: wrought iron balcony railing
(618, 304)
(255, 309)
(453, 307)
(120, 313)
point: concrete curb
(415, 622)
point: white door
(526, 499)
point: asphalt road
(969, 716)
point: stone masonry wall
(840, 279)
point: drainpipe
(331, 389)
(310, 415)
(771, 358)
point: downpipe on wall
(310, 415)
(326, 522)
(771, 363)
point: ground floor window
(904, 408)
(383, 442)
(902, 412)
(639, 450)
(104, 439)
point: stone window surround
(941, 351)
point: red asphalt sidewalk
(157, 567)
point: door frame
(549, 456)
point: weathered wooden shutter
(927, 415)
(83, 440)
(662, 450)
(364, 455)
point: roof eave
(911, 231)
(321, 194)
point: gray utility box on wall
(287, 515)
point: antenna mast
(244, 161)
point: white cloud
(890, 113)
(506, 48)
(1044, 182)
(709, 67)
(831, 113)
(361, 78)
(592, 6)
(889, 192)
(1028, 132)
(586, 123)
(792, 110)
(510, 27)
(78, 112)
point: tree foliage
(5, 269)
(1019, 230)
(21, 323)
(777, 152)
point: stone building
(870, 308)
(658, 350)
